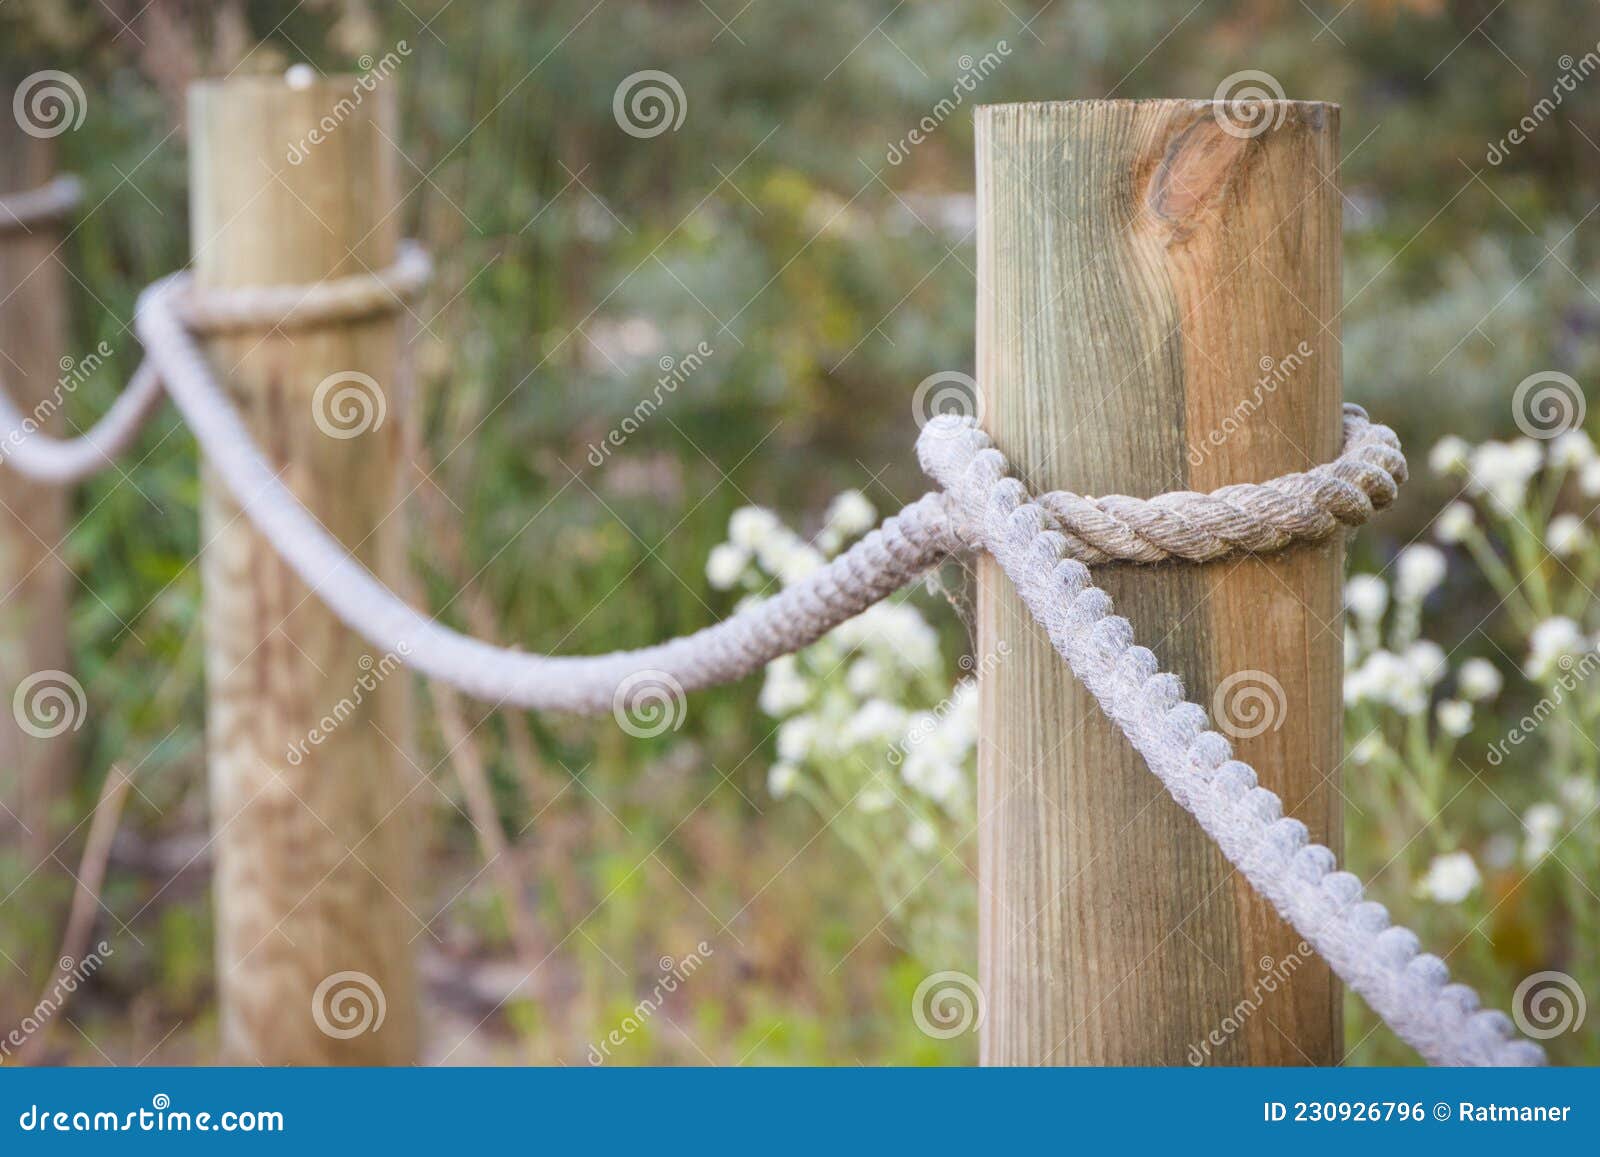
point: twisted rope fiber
(1042, 545)
(54, 201)
(1408, 989)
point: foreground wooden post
(1158, 293)
(34, 760)
(315, 833)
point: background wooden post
(315, 850)
(1158, 294)
(33, 578)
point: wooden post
(313, 798)
(34, 767)
(1158, 294)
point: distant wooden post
(1158, 293)
(34, 768)
(314, 808)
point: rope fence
(1044, 544)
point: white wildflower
(1455, 717)
(874, 799)
(1479, 680)
(850, 514)
(935, 777)
(797, 738)
(1540, 825)
(785, 688)
(1451, 878)
(725, 564)
(1589, 478)
(1454, 524)
(1367, 597)
(781, 780)
(1449, 455)
(1392, 679)
(922, 836)
(864, 678)
(1427, 659)
(1418, 571)
(1501, 470)
(1552, 641)
(1367, 749)
(1580, 795)
(1566, 535)
(751, 526)
(876, 723)
(1571, 449)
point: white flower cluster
(869, 730)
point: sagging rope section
(1044, 544)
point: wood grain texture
(1158, 293)
(33, 578)
(315, 854)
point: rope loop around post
(50, 204)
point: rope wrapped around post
(52, 202)
(1044, 546)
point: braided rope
(50, 203)
(1250, 517)
(62, 461)
(1408, 989)
(1043, 546)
